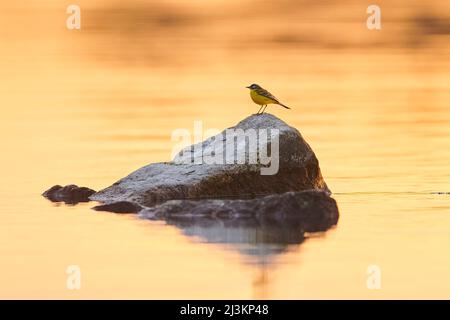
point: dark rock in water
(308, 211)
(119, 207)
(188, 176)
(259, 228)
(258, 203)
(70, 194)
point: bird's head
(253, 87)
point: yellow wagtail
(263, 97)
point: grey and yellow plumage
(263, 97)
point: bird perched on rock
(263, 97)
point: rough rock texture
(71, 194)
(310, 211)
(184, 179)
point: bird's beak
(248, 87)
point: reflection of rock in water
(249, 236)
(260, 227)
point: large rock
(189, 177)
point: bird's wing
(267, 94)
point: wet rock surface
(189, 177)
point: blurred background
(89, 106)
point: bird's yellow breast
(259, 99)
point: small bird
(263, 97)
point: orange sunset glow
(88, 106)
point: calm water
(90, 106)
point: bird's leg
(264, 108)
(259, 110)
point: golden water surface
(89, 106)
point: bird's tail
(283, 105)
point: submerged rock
(70, 194)
(293, 166)
(307, 211)
(119, 207)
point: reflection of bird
(263, 97)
